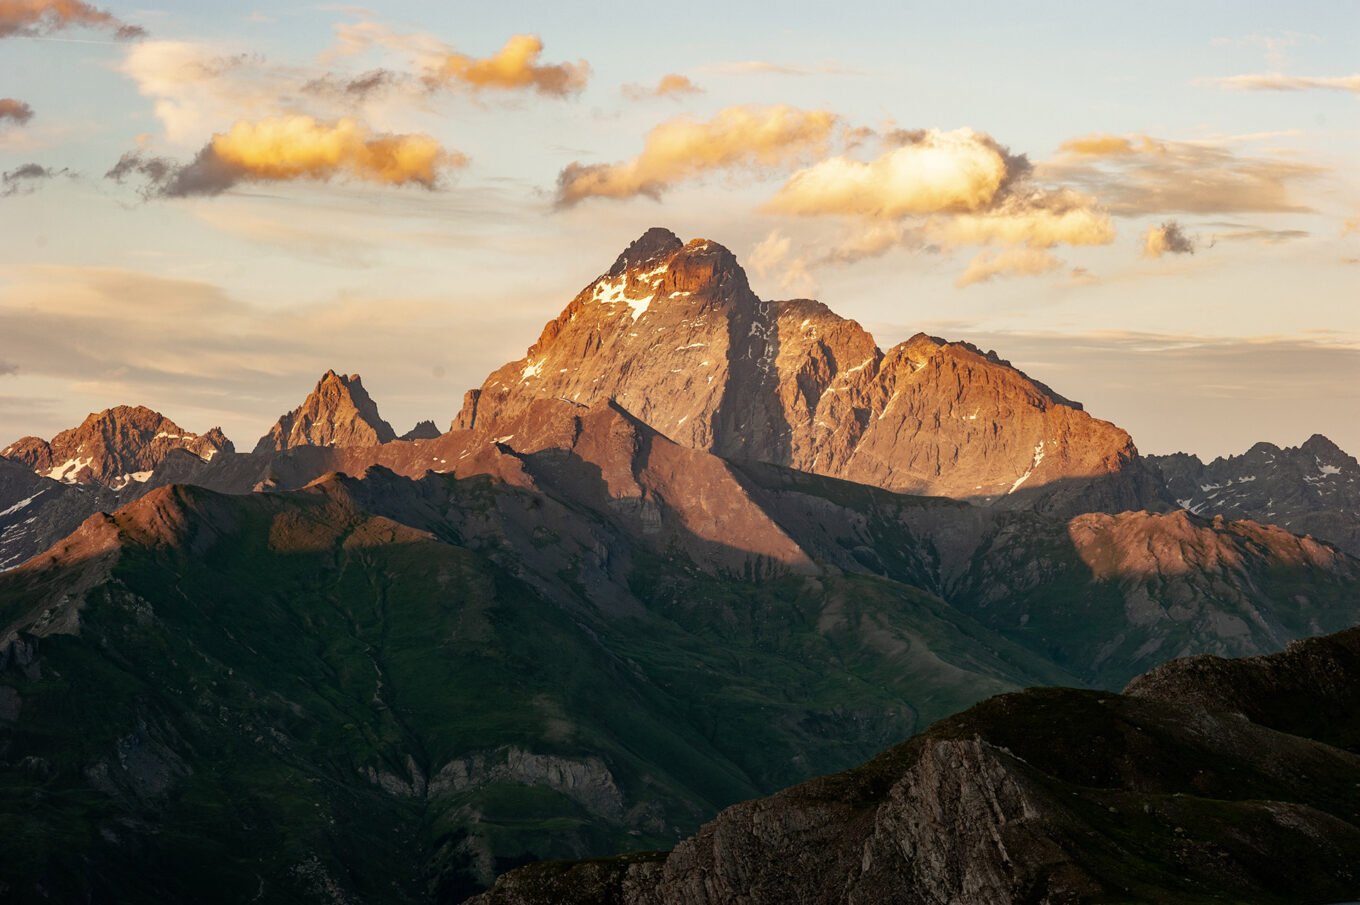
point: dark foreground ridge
(1207, 780)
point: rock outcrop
(673, 333)
(115, 447)
(339, 412)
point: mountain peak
(675, 335)
(1318, 445)
(339, 412)
(652, 246)
(115, 447)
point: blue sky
(223, 307)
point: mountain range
(693, 548)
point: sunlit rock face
(673, 333)
(115, 447)
(339, 412)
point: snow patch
(532, 369)
(1038, 457)
(67, 471)
(22, 503)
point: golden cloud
(685, 149)
(1098, 145)
(1167, 238)
(1011, 262)
(28, 18)
(942, 171)
(514, 66)
(287, 148)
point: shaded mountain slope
(296, 695)
(1181, 790)
(1313, 488)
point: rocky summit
(115, 447)
(673, 333)
(339, 412)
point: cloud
(869, 239)
(1010, 262)
(1350, 225)
(25, 179)
(681, 149)
(1136, 175)
(32, 18)
(288, 148)
(515, 67)
(1238, 232)
(671, 85)
(1277, 81)
(940, 171)
(15, 111)
(357, 88)
(936, 189)
(771, 257)
(1039, 218)
(1168, 238)
(6, 369)
(197, 89)
(1098, 144)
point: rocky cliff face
(1205, 781)
(339, 412)
(674, 334)
(1313, 488)
(115, 447)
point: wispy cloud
(1278, 81)
(1011, 262)
(671, 85)
(683, 149)
(772, 258)
(25, 179)
(1138, 175)
(516, 66)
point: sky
(1154, 208)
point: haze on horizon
(206, 209)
